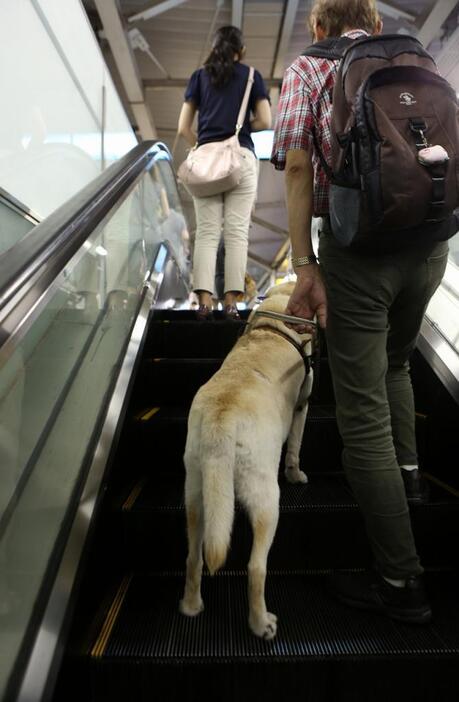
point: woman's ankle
(230, 299)
(205, 298)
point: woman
(216, 92)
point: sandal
(232, 312)
(204, 313)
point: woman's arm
(185, 122)
(262, 116)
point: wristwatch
(304, 260)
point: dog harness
(298, 347)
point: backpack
(394, 175)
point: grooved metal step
(320, 526)
(310, 622)
(159, 432)
(328, 493)
(323, 652)
(191, 339)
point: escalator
(94, 532)
(129, 641)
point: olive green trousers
(375, 308)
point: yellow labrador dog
(237, 425)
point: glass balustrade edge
(441, 356)
(38, 662)
(53, 242)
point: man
(372, 308)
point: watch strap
(304, 260)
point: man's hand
(308, 298)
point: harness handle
(288, 318)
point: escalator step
(191, 339)
(190, 316)
(320, 493)
(310, 622)
(177, 380)
(320, 526)
(151, 646)
(162, 437)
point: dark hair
(227, 42)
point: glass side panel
(13, 226)
(443, 309)
(170, 215)
(54, 387)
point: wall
(62, 121)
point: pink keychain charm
(432, 155)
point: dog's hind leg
(192, 603)
(295, 437)
(264, 517)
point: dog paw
(265, 627)
(295, 475)
(191, 609)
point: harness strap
(328, 171)
(298, 347)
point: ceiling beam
(395, 12)
(270, 226)
(237, 13)
(437, 16)
(218, 6)
(259, 260)
(126, 65)
(156, 10)
(447, 59)
(285, 35)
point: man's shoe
(369, 590)
(416, 487)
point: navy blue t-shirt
(219, 107)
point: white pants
(230, 211)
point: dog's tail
(218, 453)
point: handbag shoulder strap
(245, 101)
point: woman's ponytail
(228, 41)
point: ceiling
(177, 39)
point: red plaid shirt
(304, 103)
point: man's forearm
(299, 194)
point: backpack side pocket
(345, 204)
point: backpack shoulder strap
(332, 48)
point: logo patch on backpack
(407, 99)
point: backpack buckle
(418, 126)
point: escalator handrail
(31, 265)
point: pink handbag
(215, 167)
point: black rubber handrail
(31, 265)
